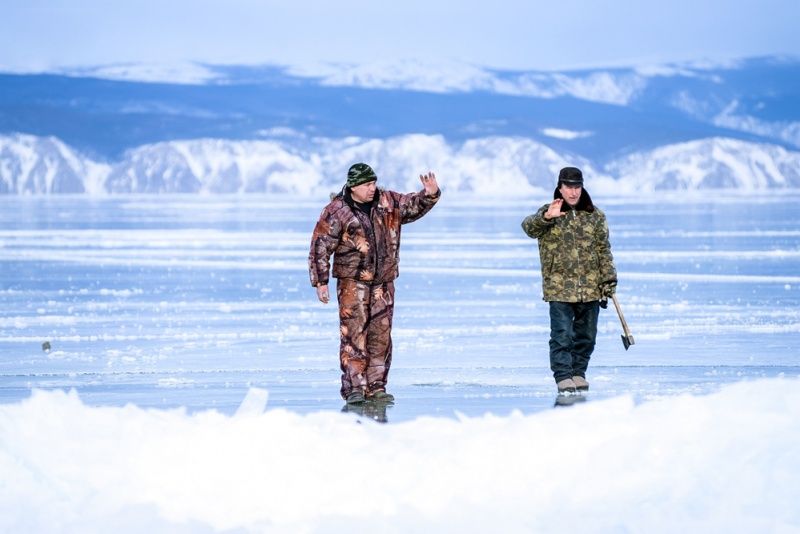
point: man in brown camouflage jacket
(360, 228)
(577, 271)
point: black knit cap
(571, 176)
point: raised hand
(554, 210)
(429, 181)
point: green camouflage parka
(574, 250)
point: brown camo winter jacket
(364, 251)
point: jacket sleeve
(414, 205)
(535, 226)
(607, 269)
(324, 241)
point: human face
(571, 194)
(364, 192)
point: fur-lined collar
(584, 203)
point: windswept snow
(725, 462)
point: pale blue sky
(40, 35)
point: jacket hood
(584, 203)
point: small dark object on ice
(46, 346)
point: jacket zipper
(578, 255)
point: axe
(627, 338)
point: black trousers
(573, 332)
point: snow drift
(722, 462)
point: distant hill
(270, 130)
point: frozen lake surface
(188, 301)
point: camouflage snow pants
(365, 329)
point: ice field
(165, 367)
(189, 301)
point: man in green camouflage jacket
(577, 272)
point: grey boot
(580, 383)
(566, 386)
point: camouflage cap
(571, 176)
(360, 173)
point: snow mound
(722, 462)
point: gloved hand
(609, 287)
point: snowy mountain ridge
(229, 129)
(617, 86)
(488, 166)
(35, 165)
(453, 77)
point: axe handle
(621, 317)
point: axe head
(627, 341)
